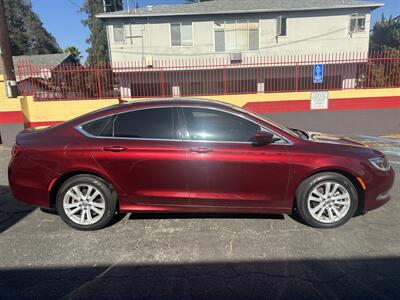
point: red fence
(219, 76)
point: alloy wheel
(84, 204)
(329, 202)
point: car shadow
(150, 216)
(351, 278)
(11, 211)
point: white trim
(108, 39)
(281, 17)
(257, 20)
(112, 16)
(357, 16)
(123, 34)
(170, 35)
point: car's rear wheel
(326, 200)
(86, 202)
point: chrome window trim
(284, 140)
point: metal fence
(219, 76)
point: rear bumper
(29, 181)
(378, 190)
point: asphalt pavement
(193, 256)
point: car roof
(121, 107)
(178, 101)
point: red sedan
(193, 156)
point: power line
(58, 2)
(74, 3)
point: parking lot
(200, 256)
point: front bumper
(378, 189)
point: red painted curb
(7, 117)
(334, 104)
(38, 124)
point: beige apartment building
(234, 30)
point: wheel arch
(346, 173)
(63, 178)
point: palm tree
(74, 51)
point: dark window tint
(281, 26)
(156, 123)
(214, 125)
(100, 127)
(284, 27)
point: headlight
(381, 163)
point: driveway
(200, 256)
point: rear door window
(153, 123)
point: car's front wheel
(326, 200)
(86, 202)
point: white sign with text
(319, 100)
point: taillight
(16, 150)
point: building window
(181, 34)
(281, 26)
(232, 36)
(357, 23)
(118, 32)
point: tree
(74, 51)
(26, 31)
(386, 34)
(98, 51)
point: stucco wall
(313, 32)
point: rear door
(145, 156)
(225, 169)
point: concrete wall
(18, 113)
(375, 122)
(11, 120)
(315, 32)
(45, 113)
(11, 117)
(23, 112)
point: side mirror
(264, 138)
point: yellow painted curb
(393, 136)
(242, 99)
(10, 104)
(59, 110)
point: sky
(62, 18)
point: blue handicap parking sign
(318, 76)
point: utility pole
(6, 56)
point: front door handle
(114, 149)
(201, 150)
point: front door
(225, 169)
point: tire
(86, 202)
(331, 193)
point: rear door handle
(201, 150)
(114, 149)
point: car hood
(333, 139)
